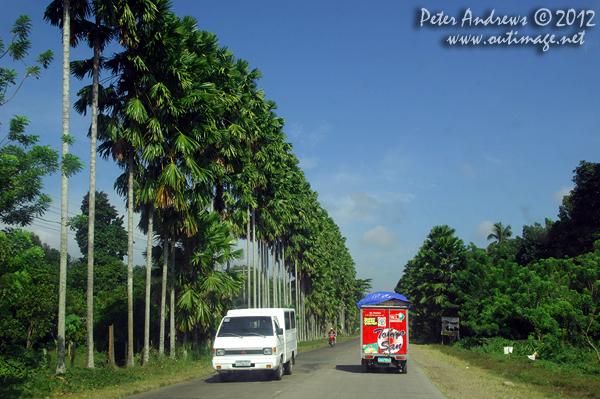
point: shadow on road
(245, 377)
(350, 368)
(353, 368)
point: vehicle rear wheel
(404, 369)
(365, 366)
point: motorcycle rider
(332, 331)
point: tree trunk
(172, 335)
(195, 344)
(185, 344)
(73, 352)
(163, 294)
(266, 285)
(130, 358)
(259, 299)
(92, 200)
(148, 281)
(248, 240)
(64, 214)
(254, 255)
(287, 282)
(275, 281)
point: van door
(280, 338)
(290, 333)
(398, 332)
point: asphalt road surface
(321, 373)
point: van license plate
(242, 363)
(384, 360)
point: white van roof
(258, 311)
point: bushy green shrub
(18, 362)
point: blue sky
(396, 131)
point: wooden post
(111, 345)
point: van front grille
(243, 351)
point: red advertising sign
(384, 331)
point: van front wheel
(288, 367)
(279, 372)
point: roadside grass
(110, 382)
(105, 380)
(570, 380)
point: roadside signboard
(451, 326)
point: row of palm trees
(204, 162)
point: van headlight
(267, 351)
(220, 352)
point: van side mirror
(280, 331)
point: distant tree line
(543, 285)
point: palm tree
(500, 233)
(60, 367)
(60, 13)
(98, 39)
(206, 293)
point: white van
(256, 340)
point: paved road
(322, 373)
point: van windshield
(246, 326)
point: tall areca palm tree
(59, 13)
(111, 17)
(60, 367)
(97, 36)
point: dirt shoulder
(458, 379)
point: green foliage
(515, 291)
(579, 214)
(23, 164)
(27, 290)
(431, 281)
(110, 237)
(22, 168)
(18, 50)
(19, 364)
(206, 294)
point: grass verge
(552, 379)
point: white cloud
(559, 194)
(293, 131)
(390, 197)
(494, 161)
(356, 206)
(468, 171)
(364, 205)
(484, 229)
(308, 163)
(379, 237)
(320, 133)
(311, 137)
(343, 177)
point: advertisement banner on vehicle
(384, 331)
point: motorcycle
(331, 339)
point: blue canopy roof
(381, 296)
